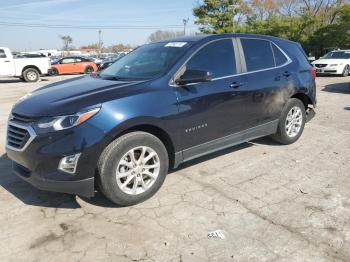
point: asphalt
(269, 202)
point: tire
(31, 75)
(282, 136)
(89, 70)
(54, 72)
(116, 161)
(346, 71)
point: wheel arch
(31, 66)
(303, 98)
(158, 132)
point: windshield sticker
(176, 44)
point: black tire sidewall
(281, 135)
(31, 70)
(346, 71)
(54, 72)
(116, 151)
(89, 70)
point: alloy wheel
(138, 170)
(294, 122)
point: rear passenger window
(217, 57)
(258, 54)
(280, 58)
(2, 53)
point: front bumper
(328, 71)
(85, 187)
(38, 162)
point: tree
(119, 48)
(160, 35)
(217, 16)
(67, 41)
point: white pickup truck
(28, 69)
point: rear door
(215, 109)
(6, 64)
(267, 79)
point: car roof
(209, 37)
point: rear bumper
(85, 187)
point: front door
(6, 64)
(215, 109)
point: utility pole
(185, 21)
(99, 42)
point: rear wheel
(31, 75)
(292, 122)
(133, 168)
(89, 70)
(346, 71)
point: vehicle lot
(272, 202)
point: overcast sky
(33, 17)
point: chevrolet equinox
(163, 104)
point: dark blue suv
(161, 105)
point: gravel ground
(271, 202)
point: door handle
(236, 85)
(7, 61)
(286, 73)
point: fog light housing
(69, 164)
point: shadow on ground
(35, 197)
(16, 80)
(341, 88)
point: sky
(121, 21)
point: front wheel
(133, 168)
(31, 75)
(291, 123)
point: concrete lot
(272, 202)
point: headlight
(65, 122)
(333, 65)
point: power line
(89, 27)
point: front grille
(21, 118)
(320, 65)
(19, 137)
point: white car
(335, 63)
(28, 69)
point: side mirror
(194, 76)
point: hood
(72, 95)
(330, 61)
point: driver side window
(217, 58)
(67, 61)
(2, 53)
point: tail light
(313, 72)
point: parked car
(333, 63)
(156, 108)
(109, 61)
(28, 69)
(73, 65)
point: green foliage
(216, 16)
(317, 32)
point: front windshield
(146, 62)
(338, 55)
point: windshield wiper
(120, 78)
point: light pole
(99, 42)
(185, 21)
